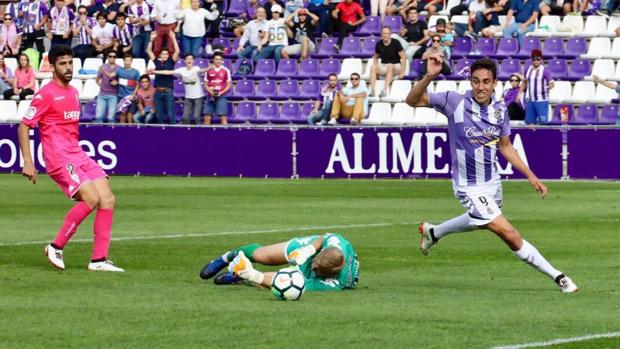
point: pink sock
(103, 233)
(73, 219)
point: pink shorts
(71, 177)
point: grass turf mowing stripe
(560, 341)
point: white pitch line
(560, 341)
(181, 236)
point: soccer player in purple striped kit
(478, 127)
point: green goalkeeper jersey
(349, 275)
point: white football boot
(55, 256)
(566, 284)
(104, 266)
(426, 240)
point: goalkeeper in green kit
(328, 262)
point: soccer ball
(288, 284)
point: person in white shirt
(103, 34)
(194, 28)
(139, 16)
(164, 14)
(253, 34)
(276, 39)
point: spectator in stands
(581, 6)
(36, 14)
(348, 15)
(379, 8)
(275, 39)
(109, 8)
(25, 81)
(59, 25)
(107, 99)
(352, 102)
(291, 6)
(252, 35)
(164, 98)
(538, 81)
(513, 97)
(13, 9)
(397, 7)
(436, 48)
(612, 85)
(6, 76)
(320, 116)
(303, 32)
(269, 4)
(140, 19)
(474, 7)
(103, 34)
(447, 39)
(557, 7)
(393, 62)
(10, 37)
(460, 8)
(487, 16)
(213, 26)
(163, 12)
(194, 28)
(431, 6)
(122, 36)
(83, 29)
(145, 96)
(128, 79)
(217, 83)
(525, 13)
(413, 34)
(250, 12)
(320, 8)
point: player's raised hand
(539, 186)
(434, 64)
(301, 255)
(30, 172)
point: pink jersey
(55, 110)
(217, 78)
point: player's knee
(107, 201)
(91, 200)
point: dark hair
(101, 15)
(164, 49)
(355, 74)
(127, 55)
(484, 63)
(515, 76)
(59, 51)
(386, 27)
(332, 74)
(441, 21)
(188, 55)
(19, 65)
(120, 15)
(145, 76)
(82, 6)
(218, 54)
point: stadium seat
(90, 64)
(267, 112)
(368, 47)
(246, 111)
(178, 89)
(179, 64)
(604, 68)
(77, 65)
(77, 84)
(616, 76)
(326, 48)
(266, 89)
(529, 44)
(379, 113)
(414, 69)
(395, 22)
(236, 8)
(350, 66)
(235, 70)
(558, 69)
(445, 85)
(507, 68)
(578, 69)
(553, 48)
(306, 109)
(432, 21)
(571, 25)
(547, 26)
(424, 116)
(449, 5)
(310, 89)
(329, 66)
(290, 112)
(560, 91)
(599, 47)
(309, 68)
(484, 47)
(458, 67)
(138, 64)
(371, 27)
(90, 90)
(378, 87)
(221, 43)
(586, 114)
(8, 111)
(612, 25)
(603, 95)
(45, 82)
(265, 68)
(287, 90)
(555, 115)
(89, 111)
(461, 47)
(351, 47)
(609, 115)
(402, 114)
(287, 68)
(12, 63)
(464, 86)
(499, 90)
(507, 47)
(22, 109)
(204, 63)
(615, 49)
(398, 92)
(582, 92)
(594, 26)
(575, 47)
(243, 89)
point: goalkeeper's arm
(301, 255)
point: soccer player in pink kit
(55, 109)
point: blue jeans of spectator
(536, 112)
(322, 12)
(83, 52)
(191, 45)
(139, 44)
(4, 86)
(216, 106)
(514, 29)
(247, 51)
(106, 107)
(612, 5)
(321, 114)
(147, 114)
(482, 22)
(164, 107)
(270, 51)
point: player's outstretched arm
(418, 97)
(24, 144)
(511, 155)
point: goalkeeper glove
(301, 255)
(242, 267)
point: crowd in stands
(175, 37)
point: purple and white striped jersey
(34, 13)
(140, 12)
(14, 9)
(123, 35)
(537, 81)
(474, 132)
(85, 38)
(61, 19)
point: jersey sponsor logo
(472, 131)
(59, 98)
(73, 114)
(30, 113)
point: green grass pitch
(470, 293)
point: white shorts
(296, 49)
(483, 202)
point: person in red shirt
(55, 109)
(348, 16)
(217, 83)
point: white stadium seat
(603, 95)
(379, 113)
(463, 86)
(11, 63)
(560, 91)
(45, 82)
(582, 92)
(90, 91)
(570, 25)
(8, 111)
(139, 64)
(378, 87)
(445, 85)
(398, 92)
(402, 114)
(90, 64)
(595, 26)
(77, 65)
(616, 76)
(598, 48)
(551, 22)
(433, 20)
(612, 25)
(366, 75)
(424, 116)
(460, 19)
(604, 68)
(77, 84)
(615, 49)
(348, 67)
(22, 109)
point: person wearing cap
(538, 82)
(275, 39)
(268, 6)
(302, 31)
(348, 15)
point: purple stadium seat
(266, 89)
(484, 47)
(609, 114)
(553, 47)
(556, 119)
(461, 47)
(586, 114)
(89, 112)
(306, 109)
(329, 66)
(310, 89)
(529, 44)
(243, 89)
(368, 47)
(507, 68)
(288, 89)
(558, 69)
(459, 66)
(507, 47)
(287, 68)
(235, 44)
(265, 68)
(267, 112)
(238, 63)
(246, 111)
(351, 47)
(236, 8)
(371, 27)
(309, 68)
(223, 42)
(179, 64)
(326, 48)
(201, 62)
(578, 69)
(179, 89)
(178, 111)
(290, 112)
(394, 22)
(575, 47)
(414, 69)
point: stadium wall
(293, 152)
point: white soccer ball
(288, 284)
